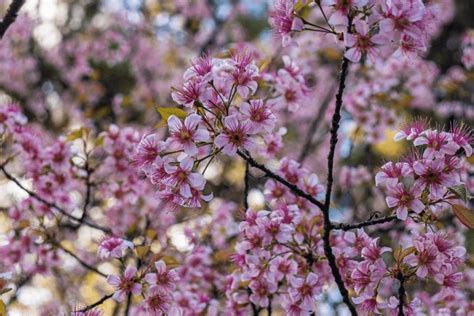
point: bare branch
(10, 16)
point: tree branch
(52, 205)
(10, 16)
(82, 262)
(99, 302)
(347, 227)
(295, 189)
(401, 293)
(330, 179)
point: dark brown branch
(330, 179)
(401, 293)
(52, 205)
(10, 16)
(246, 186)
(88, 190)
(382, 220)
(129, 303)
(295, 189)
(99, 302)
(82, 262)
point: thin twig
(99, 302)
(401, 293)
(10, 16)
(82, 262)
(347, 227)
(295, 189)
(52, 205)
(88, 190)
(246, 186)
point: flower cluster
(371, 29)
(159, 284)
(426, 180)
(217, 125)
(427, 256)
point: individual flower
(426, 259)
(462, 136)
(283, 21)
(391, 172)
(258, 115)
(433, 176)
(367, 304)
(411, 130)
(125, 284)
(157, 302)
(283, 267)
(261, 290)
(306, 290)
(235, 135)
(113, 247)
(362, 42)
(192, 91)
(163, 278)
(437, 144)
(186, 135)
(403, 199)
(148, 150)
(341, 10)
(181, 177)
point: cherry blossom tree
(178, 159)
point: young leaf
(460, 191)
(3, 309)
(142, 251)
(300, 5)
(167, 112)
(465, 215)
(76, 134)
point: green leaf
(465, 215)
(460, 191)
(3, 309)
(99, 141)
(167, 112)
(76, 134)
(300, 5)
(142, 251)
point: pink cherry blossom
(125, 284)
(362, 43)
(163, 278)
(113, 247)
(283, 21)
(235, 136)
(187, 135)
(404, 200)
